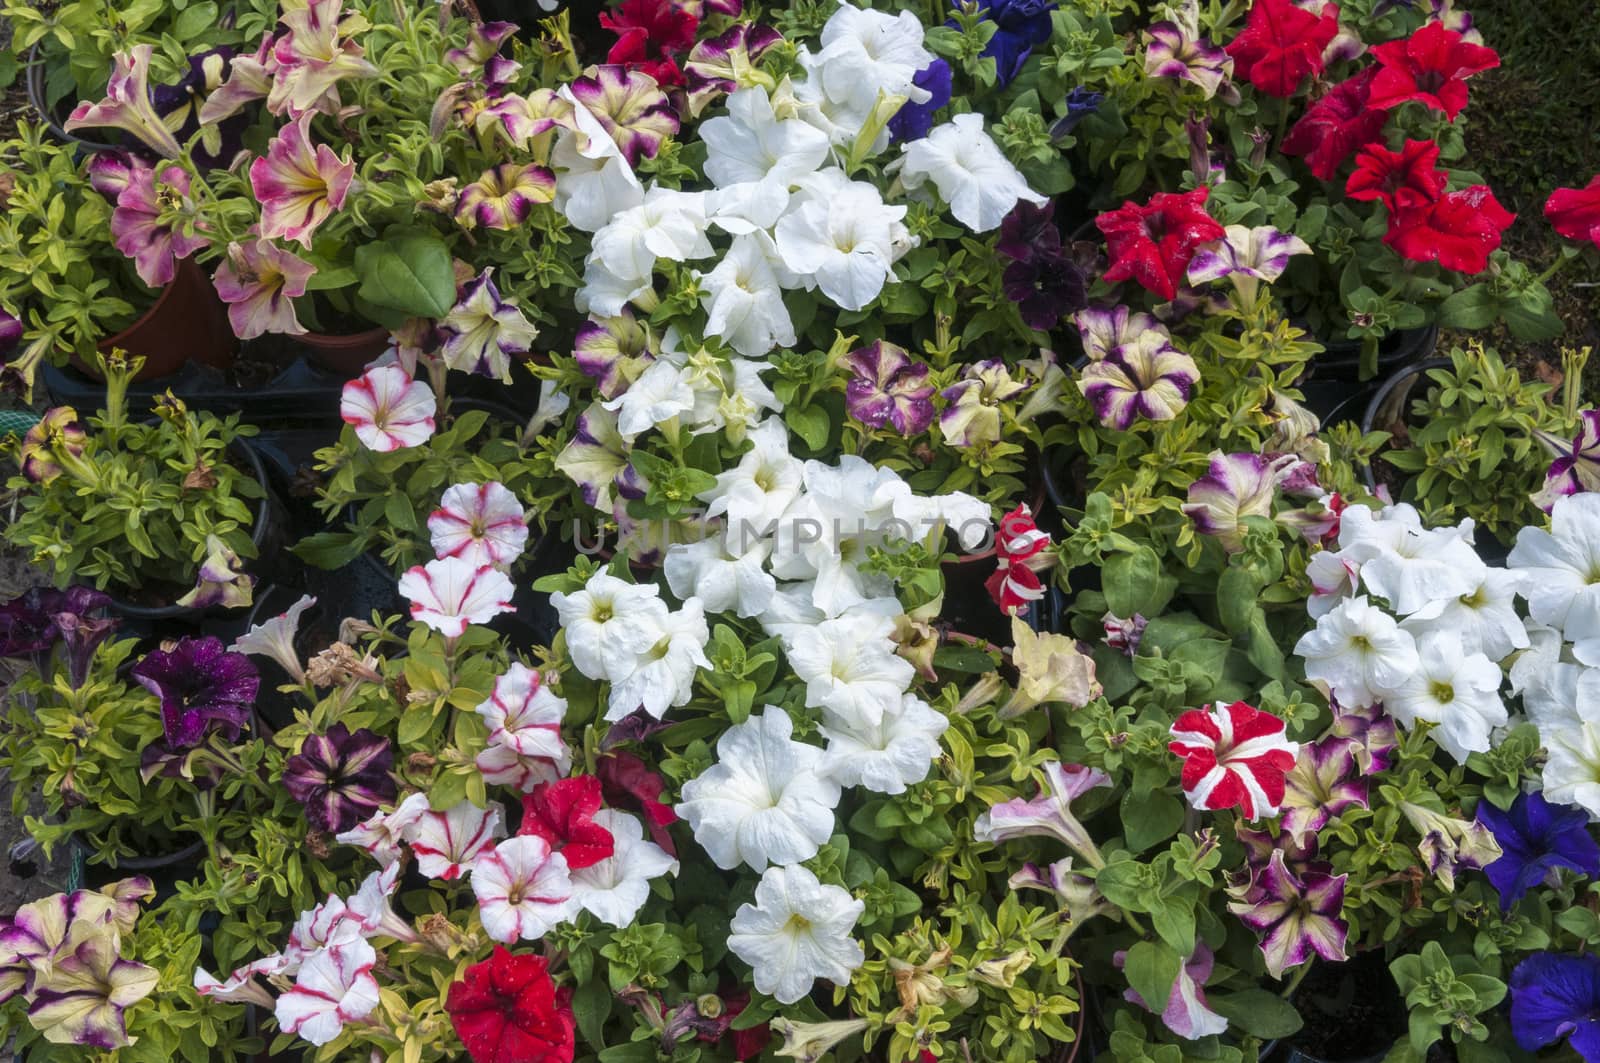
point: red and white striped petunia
(1236, 755)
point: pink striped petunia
(480, 523)
(299, 184)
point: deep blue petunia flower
(913, 121)
(1536, 837)
(1081, 103)
(1020, 26)
(1555, 996)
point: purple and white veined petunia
(1246, 257)
(451, 593)
(1144, 379)
(483, 330)
(888, 387)
(1296, 916)
(480, 523)
(1576, 468)
(1048, 815)
(388, 410)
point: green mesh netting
(16, 422)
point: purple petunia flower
(1045, 288)
(888, 386)
(1324, 782)
(341, 778)
(202, 687)
(1555, 996)
(1576, 467)
(1535, 838)
(1295, 915)
(1020, 26)
(1028, 231)
(613, 351)
(913, 121)
(1145, 378)
(32, 624)
(1374, 732)
(1081, 102)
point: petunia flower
(562, 813)
(341, 777)
(139, 231)
(52, 444)
(724, 63)
(1358, 654)
(744, 301)
(202, 688)
(128, 104)
(630, 107)
(888, 387)
(383, 834)
(1458, 230)
(970, 171)
(480, 523)
(1295, 916)
(1051, 669)
(609, 623)
(1336, 125)
(1556, 567)
(1282, 44)
(1234, 756)
(449, 594)
(1554, 997)
(1048, 815)
(1324, 783)
(1450, 845)
(1576, 467)
(522, 888)
(80, 998)
(334, 986)
(913, 121)
(1020, 26)
(314, 52)
(663, 674)
(1147, 379)
(1175, 49)
(1457, 692)
(888, 756)
(614, 888)
(650, 33)
(1187, 1013)
(1154, 243)
(258, 281)
(1571, 775)
(1402, 180)
(484, 331)
(1105, 331)
(1575, 212)
(35, 622)
(613, 351)
(1431, 67)
(221, 581)
(850, 668)
(1014, 586)
(626, 782)
(764, 800)
(1247, 257)
(298, 185)
(446, 843)
(1234, 487)
(507, 1009)
(387, 409)
(504, 196)
(1536, 838)
(812, 237)
(797, 931)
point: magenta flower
(1324, 782)
(613, 351)
(387, 409)
(1234, 487)
(137, 228)
(449, 594)
(1295, 916)
(249, 79)
(727, 62)
(1576, 467)
(888, 386)
(630, 106)
(1106, 330)
(127, 104)
(202, 687)
(1187, 1013)
(1049, 815)
(479, 523)
(341, 778)
(483, 331)
(1174, 49)
(298, 184)
(1147, 378)
(109, 173)
(259, 282)
(313, 54)
(504, 196)
(1235, 756)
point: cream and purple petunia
(613, 351)
(1246, 257)
(1175, 49)
(127, 105)
(888, 387)
(484, 330)
(1107, 329)
(1144, 379)
(727, 62)
(631, 107)
(504, 196)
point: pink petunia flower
(128, 105)
(313, 54)
(298, 184)
(524, 715)
(480, 523)
(1236, 755)
(259, 282)
(137, 228)
(446, 843)
(388, 409)
(450, 593)
(335, 986)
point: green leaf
(1173, 919)
(1149, 817)
(409, 272)
(1258, 1012)
(1152, 968)
(591, 1006)
(810, 423)
(1134, 583)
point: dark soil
(1352, 1011)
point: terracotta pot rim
(341, 340)
(106, 345)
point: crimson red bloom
(1458, 230)
(562, 813)
(1234, 756)
(1402, 179)
(1282, 45)
(1431, 66)
(507, 1010)
(1337, 125)
(629, 784)
(649, 33)
(1153, 244)
(1575, 212)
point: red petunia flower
(1282, 45)
(1402, 179)
(507, 1010)
(649, 33)
(1458, 230)
(1153, 244)
(1337, 125)
(1431, 66)
(629, 784)
(1019, 536)
(562, 813)
(1013, 586)
(1236, 755)
(1575, 212)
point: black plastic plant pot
(1341, 358)
(35, 79)
(1387, 405)
(167, 867)
(1353, 1013)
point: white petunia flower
(850, 668)
(886, 757)
(334, 986)
(1458, 692)
(1559, 571)
(970, 172)
(797, 931)
(1405, 563)
(668, 224)
(751, 145)
(763, 802)
(845, 244)
(864, 52)
(663, 391)
(724, 583)
(609, 624)
(1358, 654)
(274, 638)
(614, 889)
(607, 294)
(1572, 774)
(754, 494)
(744, 304)
(1485, 618)
(523, 889)
(480, 523)
(663, 674)
(524, 715)
(446, 843)
(383, 834)
(594, 182)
